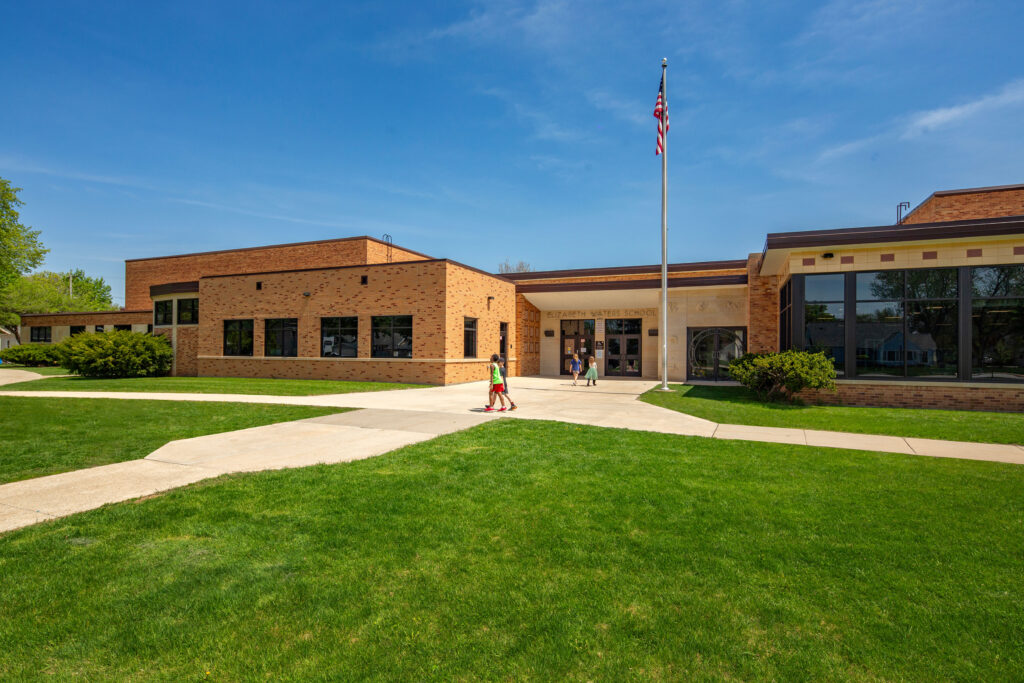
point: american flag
(657, 114)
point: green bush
(117, 354)
(32, 355)
(780, 376)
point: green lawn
(525, 550)
(207, 385)
(736, 405)
(38, 371)
(45, 436)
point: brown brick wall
(957, 207)
(996, 397)
(762, 309)
(140, 274)
(141, 317)
(527, 336)
(186, 350)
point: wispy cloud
(543, 125)
(20, 166)
(353, 224)
(926, 121)
(623, 109)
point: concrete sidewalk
(392, 419)
(320, 440)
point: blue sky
(485, 131)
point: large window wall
(935, 323)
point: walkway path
(391, 419)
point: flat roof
(277, 246)
(362, 265)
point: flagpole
(663, 331)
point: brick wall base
(1005, 398)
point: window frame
(380, 322)
(163, 318)
(279, 335)
(240, 324)
(469, 336)
(192, 308)
(75, 329)
(341, 326)
(40, 334)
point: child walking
(504, 382)
(575, 367)
(497, 385)
(591, 371)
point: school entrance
(578, 338)
(622, 347)
(710, 350)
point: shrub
(780, 376)
(117, 354)
(32, 355)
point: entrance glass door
(622, 347)
(710, 350)
(577, 337)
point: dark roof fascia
(277, 246)
(174, 288)
(35, 315)
(626, 270)
(705, 281)
(984, 227)
(363, 265)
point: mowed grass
(39, 371)
(207, 385)
(524, 550)
(737, 405)
(40, 436)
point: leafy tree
(20, 249)
(509, 267)
(48, 292)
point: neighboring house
(7, 339)
(935, 302)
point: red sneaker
(488, 409)
(502, 408)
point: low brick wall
(1006, 398)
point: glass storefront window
(824, 287)
(879, 333)
(932, 342)
(998, 281)
(887, 284)
(997, 333)
(930, 283)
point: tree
(20, 249)
(508, 267)
(48, 292)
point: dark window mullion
(850, 322)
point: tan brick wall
(140, 274)
(466, 293)
(965, 206)
(995, 397)
(527, 348)
(340, 369)
(438, 294)
(762, 309)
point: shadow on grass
(737, 395)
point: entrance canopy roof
(607, 298)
